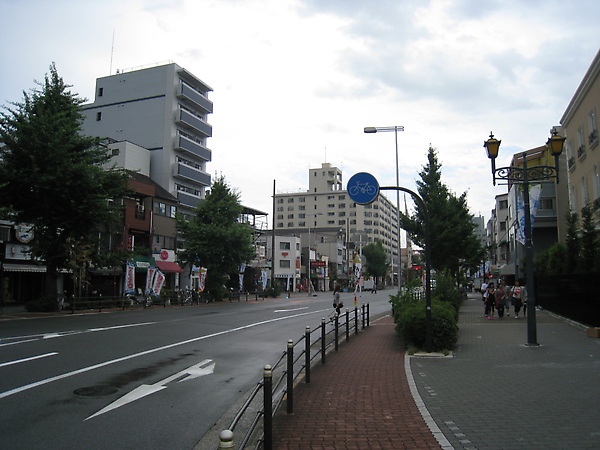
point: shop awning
(23, 268)
(143, 262)
(168, 267)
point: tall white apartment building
(331, 218)
(163, 109)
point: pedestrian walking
(484, 295)
(337, 303)
(517, 296)
(508, 296)
(501, 299)
(490, 301)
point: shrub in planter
(410, 325)
(43, 304)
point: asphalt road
(148, 378)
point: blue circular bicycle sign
(363, 188)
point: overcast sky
(296, 81)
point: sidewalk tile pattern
(495, 393)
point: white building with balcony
(164, 109)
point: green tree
(376, 256)
(215, 239)
(589, 241)
(53, 177)
(453, 241)
(572, 242)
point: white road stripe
(136, 355)
(17, 361)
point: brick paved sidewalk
(368, 406)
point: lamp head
(492, 145)
(370, 130)
(555, 143)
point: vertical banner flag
(159, 280)
(130, 278)
(201, 279)
(263, 279)
(149, 279)
(241, 276)
(534, 201)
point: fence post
(336, 332)
(347, 324)
(268, 407)
(290, 376)
(368, 314)
(99, 302)
(307, 355)
(355, 320)
(362, 313)
(323, 340)
(226, 440)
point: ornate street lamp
(523, 175)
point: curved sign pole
(363, 189)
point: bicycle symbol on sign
(363, 188)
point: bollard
(268, 407)
(226, 440)
(290, 377)
(323, 341)
(307, 355)
(336, 332)
(347, 324)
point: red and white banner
(202, 279)
(159, 280)
(149, 279)
(130, 278)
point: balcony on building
(190, 173)
(195, 98)
(187, 119)
(187, 200)
(186, 143)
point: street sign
(363, 188)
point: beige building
(330, 223)
(580, 127)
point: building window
(284, 264)
(503, 204)
(100, 92)
(584, 192)
(593, 127)
(98, 116)
(546, 204)
(284, 246)
(160, 209)
(172, 211)
(290, 216)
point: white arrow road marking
(17, 361)
(146, 352)
(195, 371)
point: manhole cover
(95, 391)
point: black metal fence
(575, 296)
(278, 380)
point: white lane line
(18, 361)
(136, 355)
(35, 337)
(290, 310)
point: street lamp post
(308, 281)
(395, 129)
(523, 175)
